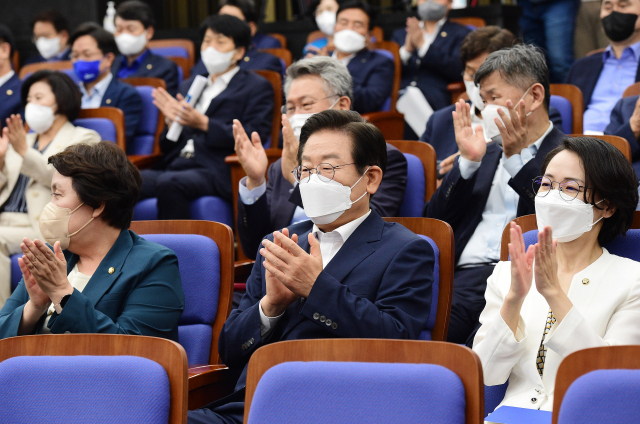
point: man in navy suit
(134, 29)
(491, 183)
(429, 53)
(312, 85)
(193, 165)
(343, 274)
(93, 51)
(625, 122)
(603, 77)
(51, 34)
(10, 84)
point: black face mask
(619, 26)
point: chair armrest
(208, 383)
(145, 161)
(242, 271)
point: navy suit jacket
(378, 285)
(372, 75)
(585, 72)
(460, 202)
(39, 58)
(281, 199)
(619, 125)
(10, 102)
(254, 60)
(265, 41)
(153, 66)
(142, 297)
(441, 136)
(439, 67)
(248, 98)
(125, 97)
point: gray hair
(521, 66)
(336, 76)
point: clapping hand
(16, 134)
(521, 263)
(251, 155)
(472, 145)
(49, 269)
(278, 297)
(514, 130)
(290, 146)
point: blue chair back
(171, 51)
(435, 291)
(207, 208)
(602, 396)
(16, 274)
(103, 126)
(84, 389)
(358, 392)
(200, 275)
(413, 200)
(386, 107)
(145, 137)
(180, 75)
(566, 112)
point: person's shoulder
(143, 248)
(583, 65)
(443, 114)
(251, 79)
(401, 236)
(84, 135)
(399, 33)
(378, 58)
(454, 28)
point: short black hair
(356, 4)
(135, 10)
(229, 26)
(54, 17)
(105, 40)
(67, 93)
(485, 40)
(6, 36)
(102, 174)
(610, 176)
(368, 146)
(247, 7)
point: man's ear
(344, 103)
(240, 52)
(109, 58)
(5, 49)
(537, 90)
(64, 37)
(254, 28)
(150, 31)
(373, 178)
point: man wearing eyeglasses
(311, 86)
(346, 273)
(490, 183)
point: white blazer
(34, 165)
(606, 312)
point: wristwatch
(58, 307)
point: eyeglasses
(305, 107)
(324, 171)
(568, 190)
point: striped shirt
(17, 202)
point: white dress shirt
(94, 99)
(345, 60)
(249, 197)
(79, 281)
(214, 88)
(428, 37)
(330, 244)
(501, 208)
(606, 312)
(6, 77)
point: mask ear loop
(81, 228)
(356, 183)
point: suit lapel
(592, 80)
(227, 93)
(281, 208)
(110, 94)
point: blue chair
(386, 53)
(574, 96)
(205, 254)
(106, 121)
(421, 175)
(151, 124)
(16, 274)
(598, 385)
(104, 127)
(92, 378)
(566, 112)
(440, 236)
(363, 380)
(207, 208)
(171, 51)
(390, 50)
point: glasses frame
(296, 171)
(581, 189)
(285, 110)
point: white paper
(591, 132)
(198, 84)
(416, 109)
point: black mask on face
(619, 26)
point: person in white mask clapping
(135, 23)
(566, 292)
(311, 86)
(52, 100)
(489, 184)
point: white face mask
(489, 113)
(324, 202)
(216, 61)
(39, 118)
(297, 121)
(48, 47)
(568, 219)
(326, 22)
(349, 41)
(473, 91)
(131, 45)
(54, 224)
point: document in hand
(416, 109)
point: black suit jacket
(372, 75)
(274, 210)
(439, 66)
(153, 66)
(125, 97)
(619, 125)
(248, 98)
(460, 202)
(10, 102)
(585, 72)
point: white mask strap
(521, 98)
(365, 172)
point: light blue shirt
(616, 75)
(249, 197)
(502, 205)
(93, 100)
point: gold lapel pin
(149, 66)
(9, 92)
(108, 101)
(585, 281)
(443, 34)
(112, 270)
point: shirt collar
(539, 141)
(6, 77)
(344, 231)
(100, 88)
(345, 59)
(61, 54)
(634, 49)
(226, 77)
(438, 25)
(137, 62)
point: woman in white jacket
(52, 101)
(566, 292)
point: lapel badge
(247, 58)
(443, 34)
(108, 101)
(111, 270)
(149, 66)
(9, 92)
(585, 281)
